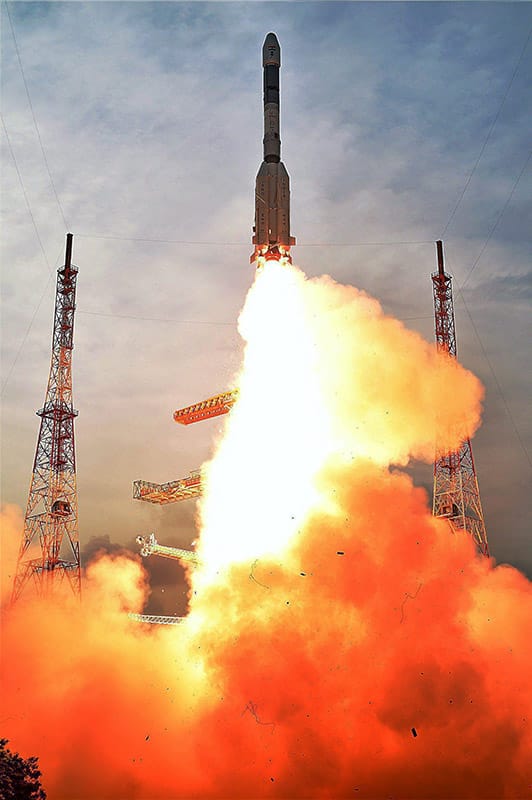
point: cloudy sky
(141, 132)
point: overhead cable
(34, 119)
(193, 321)
(498, 385)
(495, 224)
(468, 181)
(156, 319)
(28, 329)
(25, 195)
(245, 244)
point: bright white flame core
(327, 378)
(260, 485)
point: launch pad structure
(191, 486)
(206, 409)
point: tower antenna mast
(456, 495)
(49, 551)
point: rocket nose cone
(271, 51)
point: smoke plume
(341, 642)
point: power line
(499, 217)
(245, 244)
(28, 329)
(468, 181)
(34, 119)
(484, 246)
(152, 240)
(498, 385)
(155, 319)
(158, 241)
(363, 244)
(192, 321)
(25, 195)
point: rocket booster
(271, 231)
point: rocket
(271, 232)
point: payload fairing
(271, 237)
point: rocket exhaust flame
(331, 615)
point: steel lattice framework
(206, 409)
(171, 492)
(149, 546)
(183, 489)
(154, 619)
(456, 494)
(51, 520)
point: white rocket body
(272, 187)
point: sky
(141, 132)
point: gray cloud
(510, 289)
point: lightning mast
(456, 496)
(51, 521)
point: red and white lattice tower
(49, 551)
(456, 496)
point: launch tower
(51, 521)
(456, 495)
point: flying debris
(271, 237)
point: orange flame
(341, 642)
(326, 377)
